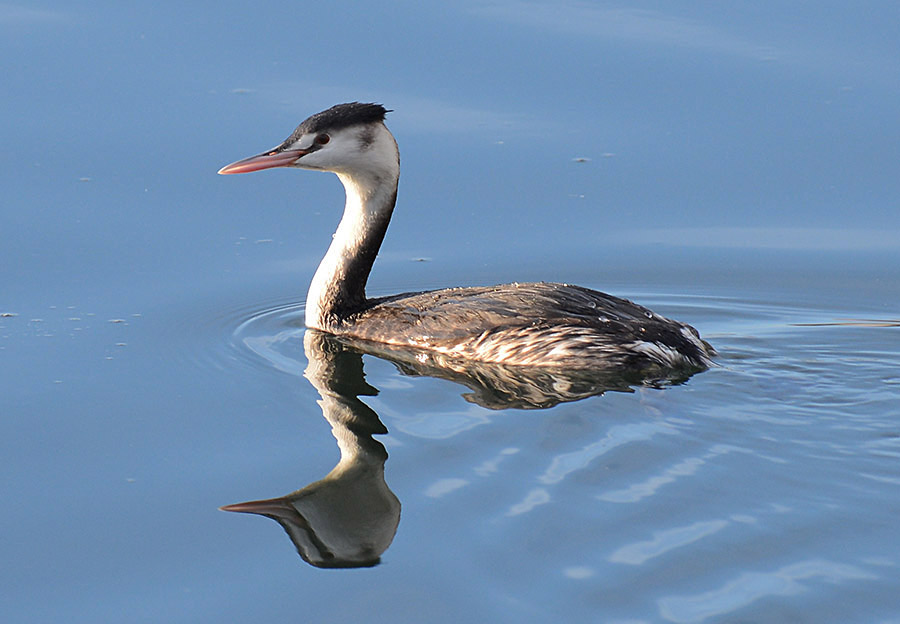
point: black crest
(341, 116)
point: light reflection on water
(747, 588)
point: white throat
(338, 286)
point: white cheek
(316, 160)
(330, 158)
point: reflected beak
(276, 508)
(264, 161)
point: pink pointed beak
(264, 161)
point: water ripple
(752, 586)
(619, 435)
(666, 540)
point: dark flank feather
(532, 324)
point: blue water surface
(732, 165)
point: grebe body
(533, 324)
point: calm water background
(732, 165)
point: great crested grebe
(535, 324)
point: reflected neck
(338, 288)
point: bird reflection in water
(349, 518)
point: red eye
(322, 139)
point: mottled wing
(532, 324)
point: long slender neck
(338, 288)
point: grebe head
(352, 141)
(347, 139)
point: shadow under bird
(528, 324)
